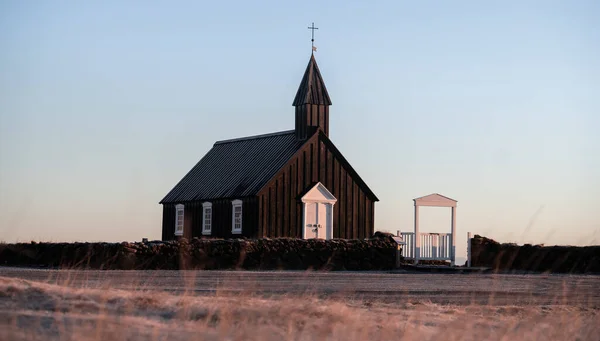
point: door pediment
(319, 193)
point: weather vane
(312, 40)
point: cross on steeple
(312, 40)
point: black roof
(312, 88)
(236, 168)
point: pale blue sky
(105, 105)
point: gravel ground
(455, 289)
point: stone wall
(486, 252)
(376, 253)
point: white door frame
(319, 194)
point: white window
(179, 220)
(206, 218)
(236, 217)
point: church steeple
(312, 102)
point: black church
(293, 183)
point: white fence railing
(434, 246)
(408, 251)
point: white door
(311, 228)
(316, 220)
(322, 221)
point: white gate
(433, 246)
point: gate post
(453, 247)
(417, 237)
(469, 249)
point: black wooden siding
(222, 210)
(168, 222)
(309, 117)
(280, 210)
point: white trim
(179, 208)
(206, 206)
(235, 204)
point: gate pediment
(436, 200)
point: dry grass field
(231, 305)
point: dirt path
(457, 289)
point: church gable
(347, 166)
(317, 161)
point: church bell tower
(312, 103)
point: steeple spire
(312, 88)
(312, 102)
(312, 36)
